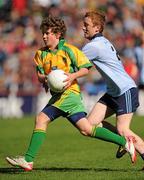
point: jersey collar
(61, 43)
(96, 35)
(59, 46)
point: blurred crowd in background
(20, 37)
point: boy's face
(89, 29)
(50, 39)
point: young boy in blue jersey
(121, 97)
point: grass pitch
(66, 155)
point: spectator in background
(20, 20)
(131, 68)
(139, 55)
(19, 6)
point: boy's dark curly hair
(56, 24)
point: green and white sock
(37, 140)
(107, 135)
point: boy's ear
(97, 28)
(58, 35)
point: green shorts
(69, 102)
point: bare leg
(99, 132)
(123, 126)
(98, 114)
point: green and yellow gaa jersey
(67, 57)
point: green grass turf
(66, 155)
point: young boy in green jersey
(58, 54)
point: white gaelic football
(55, 80)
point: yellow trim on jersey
(67, 57)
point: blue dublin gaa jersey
(106, 60)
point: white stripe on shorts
(128, 101)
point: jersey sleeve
(38, 62)
(81, 60)
(90, 51)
